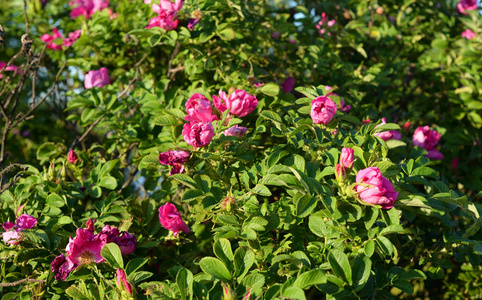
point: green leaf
(403, 285)
(369, 248)
(271, 115)
(361, 271)
(184, 179)
(222, 249)
(385, 245)
(262, 190)
(55, 200)
(243, 260)
(312, 277)
(425, 171)
(215, 268)
(108, 182)
(227, 34)
(107, 167)
(76, 293)
(475, 119)
(304, 205)
(293, 293)
(270, 89)
(340, 265)
(134, 264)
(112, 254)
(139, 276)
(191, 195)
(184, 280)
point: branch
(21, 281)
(25, 14)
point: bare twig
(3, 284)
(128, 181)
(25, 14)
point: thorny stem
(2, 284)
(25, 14)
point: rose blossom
(85, 248)
(87, 7)
(288, 84)
(347, 157)
(61, 267)
(122, 281)
(171, 219)
(198, 109)
(97, 78)
(427, 139)
(198, 134)
(167, 14)
(49, 39)
(236, 130)
(12, 233)
(388, 135)
(126, 241)
(465, 5)
(323, 110)
(73, 36)
(374, 188)
(174, 158)
(72, 157)
(9, 68)
(240, 103)
(468, 34)
(343, 106)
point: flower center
(86, 258)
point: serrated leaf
(55, 200)
(222, 249)
(361, 271)
(262, 190)
(191, 195)
(108, 182)
(270, 89)
(112, 254)
(304, 205)
(312, 277)
(340, 265)
(184, 179)
(215, 268)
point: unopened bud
(51, 172)
(63, 172)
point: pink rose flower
(174, 158)
(468, 34)
(465, 5)
(12, 233)
(61, 267)
(288, 84)
(73, 36)
(343, 106)
(388, 135)
(87, 7)
(170, 7)
(9, 68)
(126, 241)
(427, 139)
(455, 163)
(323, 110)
(163, 20)
(198, 109)
(49, 39)
(240, 103)
(237, 131)
(97, 78)
(26, 221)
(374, 188)
(347, 157)
(72, 157)
(198, 134)
(122, 281)
(171, 219)
(85, 248)
(192, 23)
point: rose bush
(284, 187)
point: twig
(128, 181)
(21, 281)
(25, 14)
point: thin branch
(25, 14)
(21, 281)
(128, 181)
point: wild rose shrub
(236, 159)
